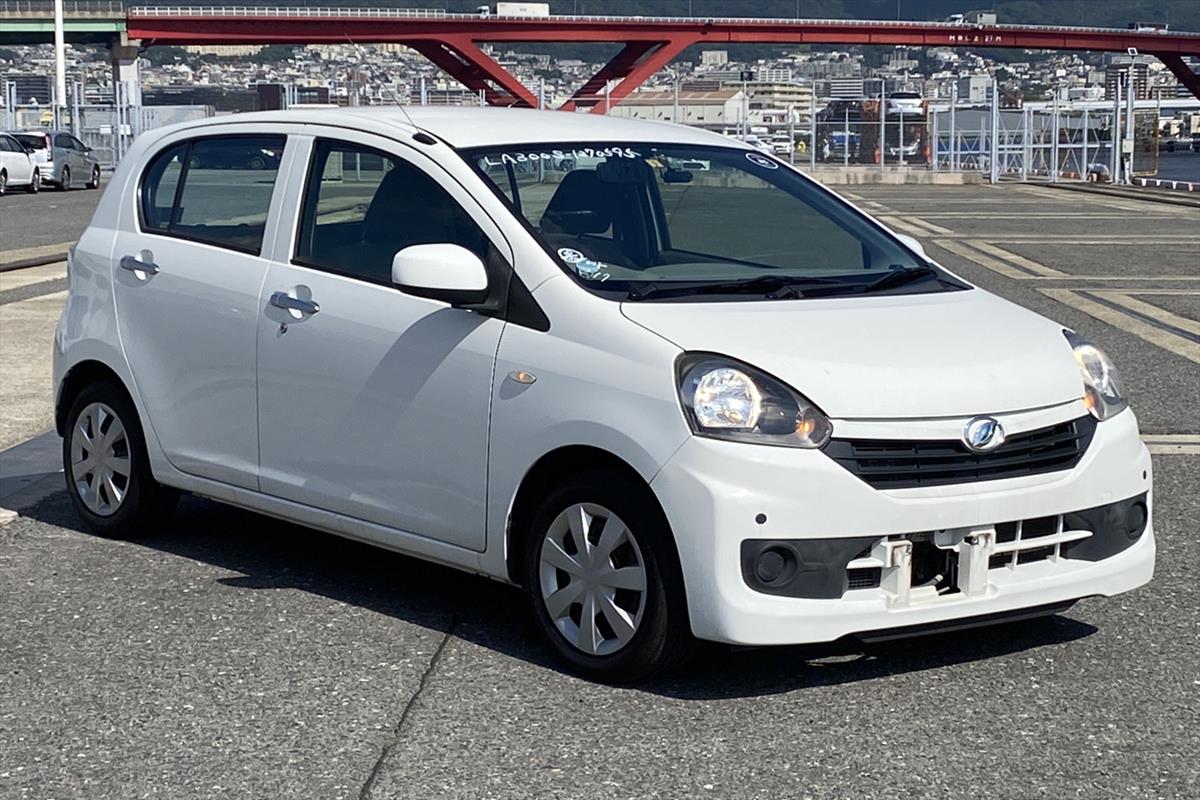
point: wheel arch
(553, 467)
(77, 378)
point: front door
(374, 403)
(187, 276)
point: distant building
(848, 88)
(1123, 64)
(704, 109)
(714, 58)
(785, 98)
(224, 50)
(775, 75)
(975, 88)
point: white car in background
(910, 104)
(671, 404)
(17, 166)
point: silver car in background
(62, 159)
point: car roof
(481, 126)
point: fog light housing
(1135, 520)
(774, 565)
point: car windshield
(644, 220)
(34, 141)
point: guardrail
(433, 13)
(71, 8)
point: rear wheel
(94, 183)
(603, 578)
(106, 466)
(3, 183)
(34, 184)
(65, 184)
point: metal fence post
(934, 135)
(1026, 142)
(1054, 152)
(812, 137)
(1084, 170)
(994, 177)
(953, 129)
(846, 142)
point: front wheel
(34, 184)
(94, 183)
(106, 466)
(3, 183)
(603, 577)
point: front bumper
(715, 493)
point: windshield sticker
(761, 160)
(592, 270)
(570, 256)
(557, 156)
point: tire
(94, 183)
(3, 183)
(123, 507)
(656, 637)
(65, 184)
(34, 184)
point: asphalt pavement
(233, 655)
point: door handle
(285, 300)
(132, 264)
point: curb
(1147, 196)
(37, 261)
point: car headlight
(726, 399)
(1102, 393)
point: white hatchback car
(673, 404)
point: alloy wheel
(100, 459)
(593, 579)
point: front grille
(903, 464)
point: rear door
(374, 403)
(187, 276)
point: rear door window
(215, 190)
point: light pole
(60, 65)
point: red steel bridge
(452, 41)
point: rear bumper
(715, 492)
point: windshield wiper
(794, 285)
(899, 277)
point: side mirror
(912, 244)
(445, 272)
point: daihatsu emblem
(983, 434)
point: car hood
(944, 354)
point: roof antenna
(358, 49)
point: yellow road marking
(1122, 298)
(982, 259)
(1126, 322)
(904, 226)
(1012, 258)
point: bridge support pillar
(1182, 71)
(123, 56)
